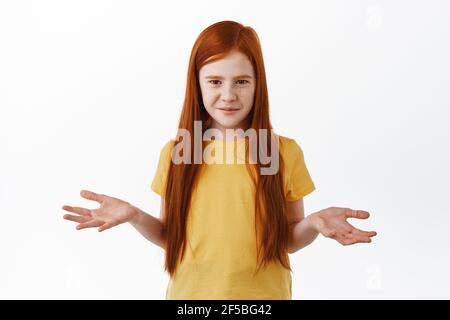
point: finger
(346, 238)
(78, 210)
(350, 241)
(105, 226)
(89, 224)
(92, 195)
(345, 241)
(360, 232)
(359, 214)
(79, 219)
(359, 239)
(364, 233)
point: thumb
(359, 214)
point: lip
(228, 110)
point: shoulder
(167, 147)
(289, 148)
(165, 153)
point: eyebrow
(237, 77)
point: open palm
(112, 212)
(332, 223)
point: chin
(228, 124)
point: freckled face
(228, 87)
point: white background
(91, 90)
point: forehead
(235, 63)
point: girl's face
(228, 87)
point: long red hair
(271, 225)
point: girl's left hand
(332, 223)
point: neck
(231, 133)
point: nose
(228, 94)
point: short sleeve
(160, 177)
(298, 182)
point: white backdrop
(91, 90)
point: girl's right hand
(112, 212)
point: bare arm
(148, 226)
(301, 234)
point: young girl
(227, 228)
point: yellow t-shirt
(220, 257)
